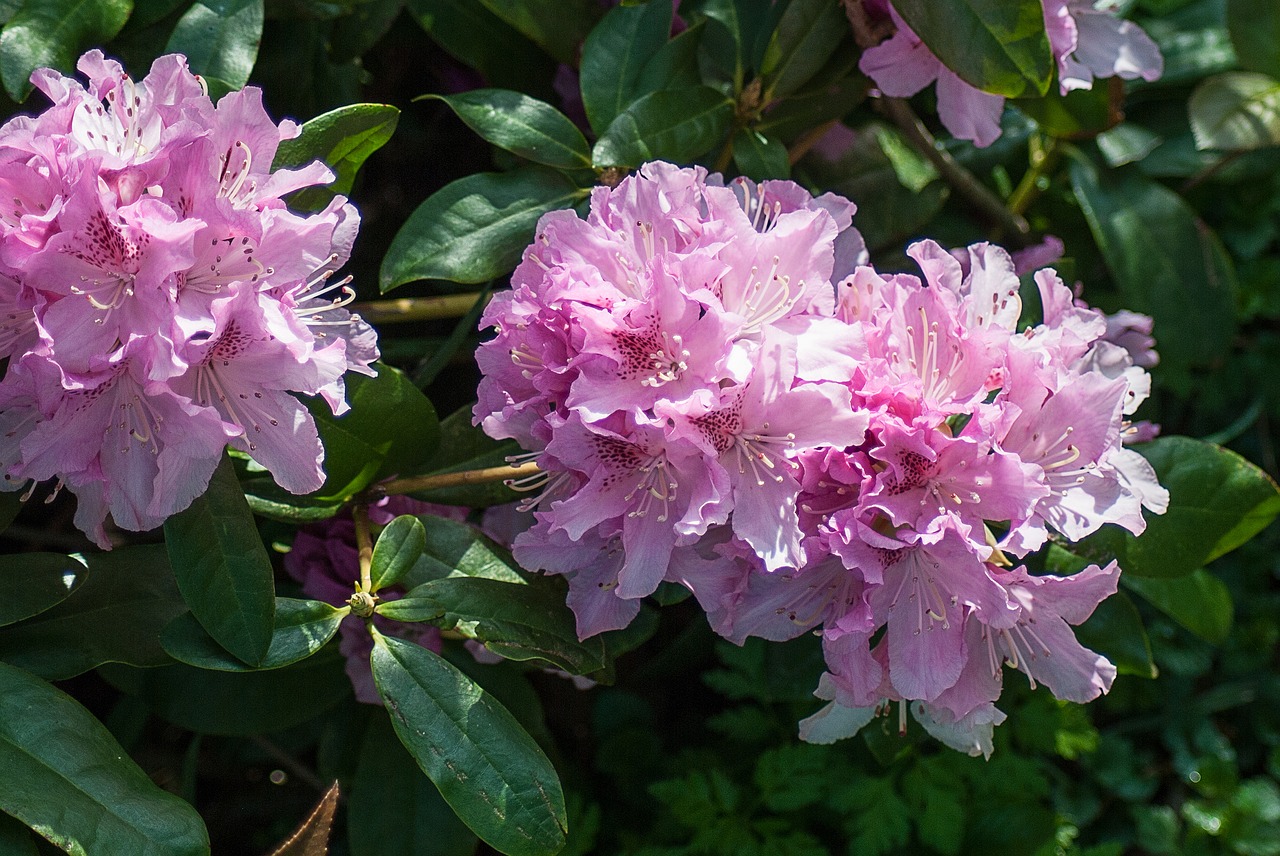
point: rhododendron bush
(799, 427)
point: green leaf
(302, 627)
(1165, 260)
(557, 26)
(1255, 32)
(516, 621)
(114, 616)
(736, 41)
(1115, 631)
(1236, 111)
(615, 54)
(482, 40)
(222, 567)
(1199, 602)
(10, 507)
(486, 766)
(35, 582)
(760, 157)
(455, 548)
(1217, 501)
(355, 34)
(522, 125)
(398, 548)
(837, 94)
(674, 125)
(15, 838)
(254, 702)
(53, 33)
(806, 37)
(267, 499)
(220, 40)
(343, 139)
(1079, 113)
(999, 46)
(474, 229)
(675, 65)
(393, 808)
(464, 446)
(65, 776)
(391, 427)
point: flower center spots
(654, 485)
(654, 358)
(720, 427)
(916, 470)
(104, 246)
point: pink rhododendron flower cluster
(159, 300)
(1088, 40)
(722, 394)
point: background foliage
(198, 659)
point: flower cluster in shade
(1088, 41)
(722, 394)
(158, 300)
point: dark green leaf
(522, 125)
(220, 40)
(557, 26)
(675, 65)
(457, 548)
(614, 56)
(516, 621)
(267, 499)
(343, 139)
(398, 548)
(999, 46)
(222, 567)
(737, 38)
(63, 774)
(10, 506)
(465, 329)
(1236, 111)
(674, 125)
(393, 808)
(114, 616)
(15, 838)
(1078, 114)
(53, 33)
(391, 427)
(464, 446)
(1255, 31)
(355, 34)
(815, 105)
(475, 228)
(1199, 602)
(485, 765)
(1217, 501)
(482, 40)
(1115, 631)
(1165, 260)
(215, 702)
(760, 157)
(302, 627)
(35, 582)
(806, 37)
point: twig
(458, 479)
(407, 309)
(364, 545)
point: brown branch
(416, 308)
(414, 484)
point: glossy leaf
(1254, 26)
(519, 622)
(343, 139)
(1165, 260)
(1236, 111)
(1115, 631)
(737, 39)
(311, 838)
(222, 568)
(615, 54)
(474, 229)
(53, 33)
(114, 616)
(398, 548)
(254, 702)
(220, 41)
(999, 46)
(464, 446)
(557, 26)
(675, 65)
(64, 775)
(486, 766)
(15, 838)
(806, 37)
(391, 427)
(1217, 501)
(1199, 602)
(760, 157)
(454, 548)
(34, 582)
(482, 40)
(1080, 114)
(522, 125)
(302, 627)
(267, 499)
(393, 808)
(674, 125)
